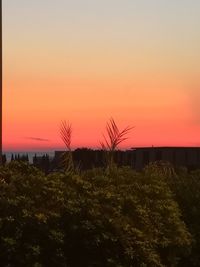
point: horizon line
(93, 148)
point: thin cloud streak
(37, 139)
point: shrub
(120, 218)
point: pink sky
(85, 64)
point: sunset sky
(85, 61)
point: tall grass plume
(112, 140)
(66, 135)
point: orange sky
(136, 63)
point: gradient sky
(137, 61)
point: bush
(119, 218)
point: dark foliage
(98, 218)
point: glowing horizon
(135, 61)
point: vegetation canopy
(97, 218)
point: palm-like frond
(66, 133)
(114, 136)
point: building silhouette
(188, 157)
(136, 158)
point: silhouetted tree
(4, 159)
(35, 160)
